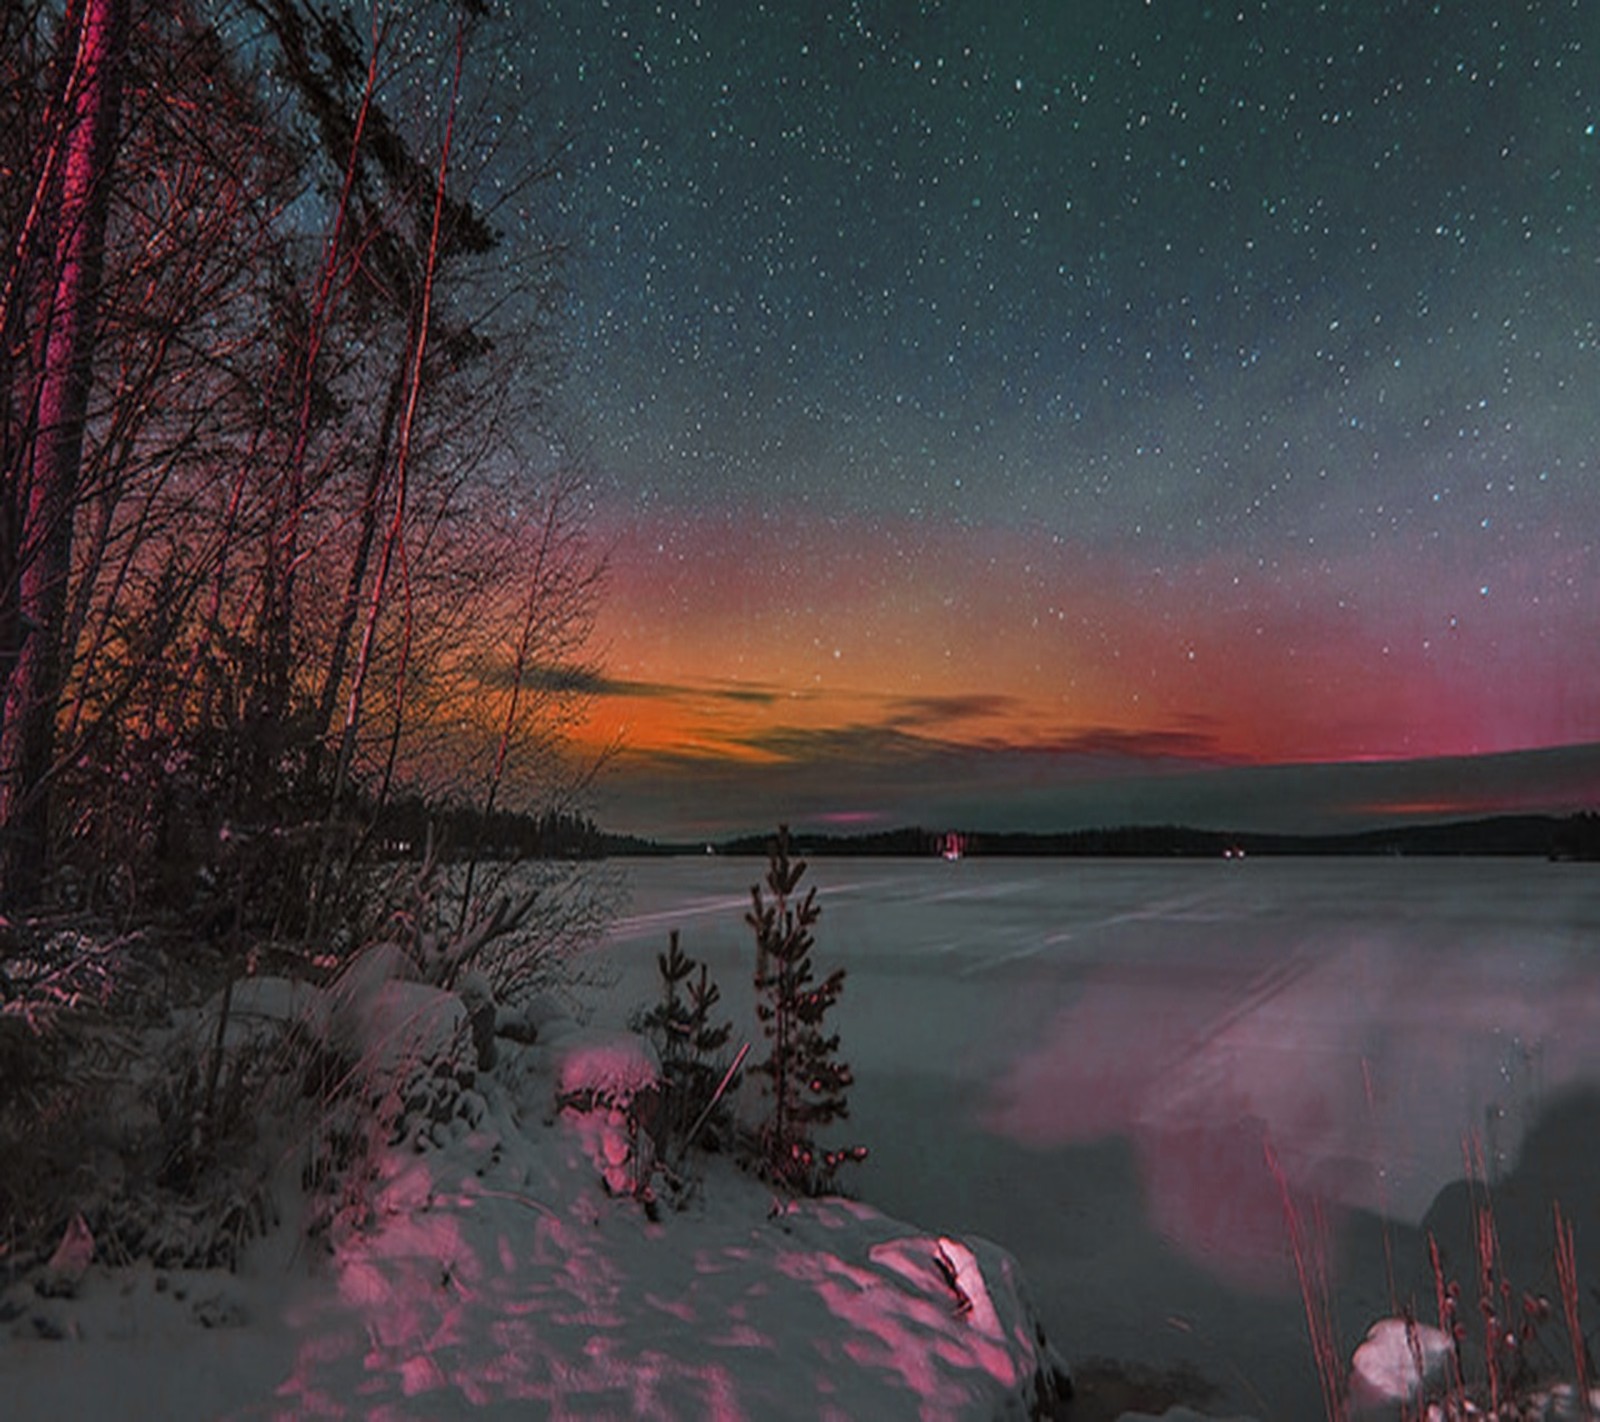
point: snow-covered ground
(1118, 1073)
(501, 1247)
(1089, 1061)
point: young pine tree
(806, 1082)
(691, 1046)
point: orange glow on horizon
(749, 641)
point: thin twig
(711, 1105)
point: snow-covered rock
(606, 1085)
(1398, 1362)
(404, 1024)
(609, 1067)
(261, 1008)
(380, 1016)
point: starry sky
(1073, 412)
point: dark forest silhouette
(1574, 837)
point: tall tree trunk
(393, 545)
(95, 32)
(279, 600)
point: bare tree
(537, 655)
(277, 594)
(42, 479)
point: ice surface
(1085, 1061)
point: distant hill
(404, 826)
(1541, 836)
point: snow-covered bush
(524, 936)
(149, 1130)
(390, 1059)
(63, 1054)
(223, 1079)
(563, 909)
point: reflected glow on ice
(1361, 1017)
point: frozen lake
(1091, 1061)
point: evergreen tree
(691, 1046)
(806, 1081)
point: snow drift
(504, 1260)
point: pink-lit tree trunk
(95, 36)
(393, 545)
(279, 602)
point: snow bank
(498, 1270)
(380, 1016)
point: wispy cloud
(942, 710)
(866, 743)
(1191, 743)
(899, 739)
(932, 729)
(737, 692)
(580, 679)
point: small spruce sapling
(692, 1048)
(805, 1080)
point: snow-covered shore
(1005, 1030)
(497, 1272)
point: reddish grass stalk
(1311, 1270)
(1486, 1243)
(1567, 1278)
(1449, 1324)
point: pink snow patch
(420, 1374)
(921, 1309)
(613, 1066)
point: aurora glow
(1025, 411)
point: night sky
(1060, 413)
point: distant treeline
(1543, 836)
(906, 843)
(403, 827)
(459, 831)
